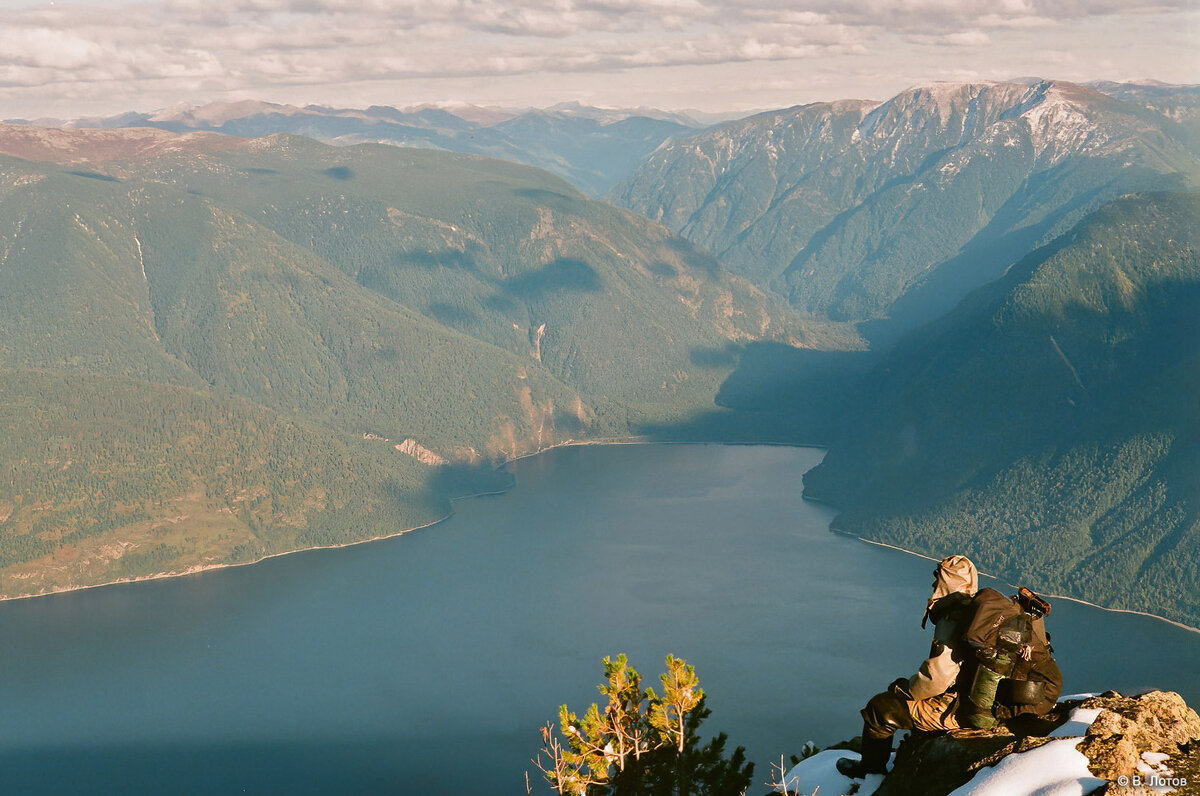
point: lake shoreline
(199, 569)
(615, 441)
(877, 543)
(329, 673)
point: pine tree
(640, 742)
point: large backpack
(1011, 630)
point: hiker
(963, 682)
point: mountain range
(886, 214)
(593, 148)
(1030, 299)
(981, 296)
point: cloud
(127, 48)
(362, 39)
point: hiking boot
(856, 769)
(875, 754)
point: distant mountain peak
(218, 113)
(1026, 80)
(1063, 117)
(608, 115)
(966, 105)
(482, 115)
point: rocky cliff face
(1107, 744)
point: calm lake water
(427, 663)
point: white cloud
(48, 48)
(261, 47)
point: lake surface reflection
(426, 663)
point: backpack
(1013, 670)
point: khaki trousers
(935, 713)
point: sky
(68, 59)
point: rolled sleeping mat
(982, 696)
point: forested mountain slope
(891, 212)
(1049, 426)
(186, 321)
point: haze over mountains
(319, 343)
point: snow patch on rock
(819, 775)
(1077, 724)
(1054, 769)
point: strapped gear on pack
(1014, 669)
(1033, 604)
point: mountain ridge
(591, 147)
(885, 214)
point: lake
(428, 662)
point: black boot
(882, 716)
(875, 754)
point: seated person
(927, 700)
(930, 700)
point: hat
(952, 574)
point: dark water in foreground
(426, 663)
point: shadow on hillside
(451, 314)
(694, 256)
(987, 257)
(498, 302)
(93, 175)
(564, 274)
(775, 393)
(456, 259)
(342, 173)
(552, 199)
(459, 480)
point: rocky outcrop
(1108, 744)
(937, 764)
(1128, 727)
(419, 452)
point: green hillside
(108, 478)
(217, 349)
(227, 304)
(604, 299)
(1048, 426)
